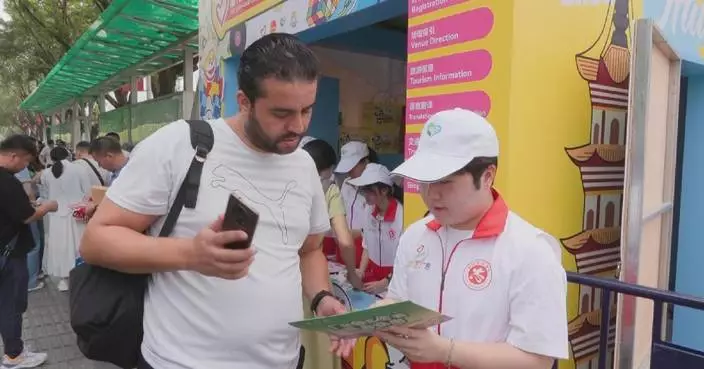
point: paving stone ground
(47, 329)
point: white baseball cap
(449, 141)
(351, 153)
(373, 173)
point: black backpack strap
(100, 178)
(202, 141)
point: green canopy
(130, 38)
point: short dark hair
(113, 135)
(104, 145)
(18, 143)
(50, 142)
(83, 145)
(322, 153)
(477, 167)
(279, 55)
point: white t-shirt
(198, 322)
(94, 180)
(355, 205)
(45, 155)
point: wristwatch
(317, 298)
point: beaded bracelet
(448, 362)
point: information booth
(553, 77)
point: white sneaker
(63, 285)
(38, 287)
(27, 359)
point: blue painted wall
(231, 86)
(688, 324)
(325, 123)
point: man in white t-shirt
(496, 275)
(109, 154)
(209, 307)
(98, 175)
(44, 157)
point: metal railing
(664, 355)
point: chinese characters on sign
(442, 53)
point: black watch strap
(319, 297)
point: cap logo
(433, 129)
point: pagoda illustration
(605, 67)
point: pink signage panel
(451, 30)
(410, 146)
(469, 66)
(420, 7)
(419, 109)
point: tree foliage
(33, 40)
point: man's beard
(260, 140)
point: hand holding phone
(209, 256)
(240, 217)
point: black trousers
(14, 278)
(301, 358)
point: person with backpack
(16, 213)
(109, 155)
(208, 306)
(98, 175)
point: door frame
(647, 38)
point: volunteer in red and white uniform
(381, 229)
(354, 157)
(499, 277)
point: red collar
(492, 223)
(390, 214)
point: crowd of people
(209, 306)
(42, 185)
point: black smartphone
(240, 217)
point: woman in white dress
(68, 184)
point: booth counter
(368, 353)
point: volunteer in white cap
(496, 275)
(382, 226)
(339, 240)
(354, 157)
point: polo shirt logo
(477, 275)
(419, 261)
(392, 234)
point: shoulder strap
(202, 141)
(100, 178)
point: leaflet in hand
(366, 322)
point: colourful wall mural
(605, 67)
(227, 27)
(557, 96)
(682, 23)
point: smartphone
(240, 217)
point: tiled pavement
(47, 329)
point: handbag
(107, 306)
(7, 251)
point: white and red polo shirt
(502, 282)
(381, 234)
(355, 205)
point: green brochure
(366, 322)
